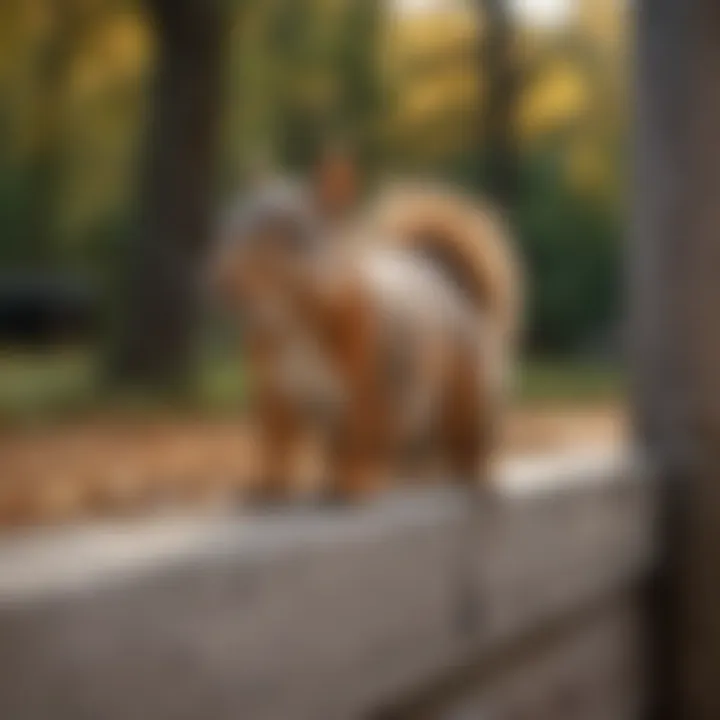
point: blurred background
(125, 125)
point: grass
(570, 381)
(42, 384)
(37, 387)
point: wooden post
(675, 292)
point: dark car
(41, 310)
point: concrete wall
(425, 604)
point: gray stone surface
(309, 614)
(593, 671)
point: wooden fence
(429, 604)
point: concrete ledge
(309, 614)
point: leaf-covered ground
(109, 466)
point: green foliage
(362, 96)
(571, 242)
(569, 381)
(39, 388)
(300, 71)
(15, 197)
(326, 82)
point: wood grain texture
(676, 293)
(317, 615)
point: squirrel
(389, 327)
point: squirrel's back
(465, 239)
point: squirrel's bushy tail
(468, 240)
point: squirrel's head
(274, 236)
(270, 224)
(266, 242)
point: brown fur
(327, 299)
(468, 238)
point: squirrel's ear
(335, 183)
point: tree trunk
(498, 143)
(675, 289)
(166, 254)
